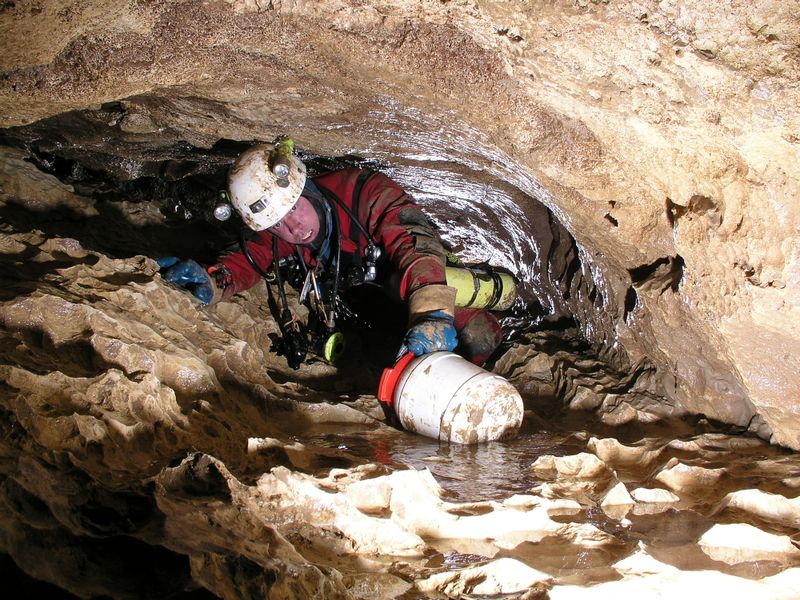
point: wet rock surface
(634, 164)
(138, 423)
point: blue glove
(188, 274)
(434, 332)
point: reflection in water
(491, 471)
(672, 533)
(496, 470)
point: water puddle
(671, 530)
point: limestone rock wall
(664, 135)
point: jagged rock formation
(635, 163)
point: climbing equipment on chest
(362, 269)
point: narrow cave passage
(91, 313)
(634, 164)
(154, 196)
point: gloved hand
(433, 332)
(187, 274)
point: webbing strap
(476, 287)
(497, 292)
(477, 280)
(355, 226)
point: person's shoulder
(341, 179)
(345, 173)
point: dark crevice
(643, 272)
(662, 274)
(18, 584)
(571, 270)
(673, 211)
(698, 205)
(631, 299)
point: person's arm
(414, 248)
(410, 241)
(233, 273)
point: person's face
(300, 225)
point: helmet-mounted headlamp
(223, 210)
(281, 163)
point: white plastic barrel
(443, 396)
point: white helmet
(261, 197)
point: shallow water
(670, 532)
(496, 470)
